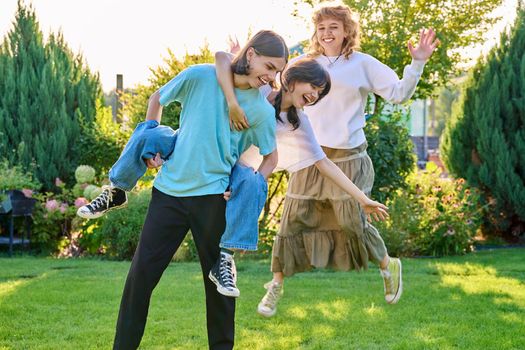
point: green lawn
(470, 302)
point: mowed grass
(470, 302)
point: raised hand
(426, 46)
(233, 45)
(375, 210)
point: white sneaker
(392, 281)
(268, 305)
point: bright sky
(129, 36)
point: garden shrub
(13, 177)
(116, 234)
(54, 217)
(391, 151)
(433, 216)
(55, 223)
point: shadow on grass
(471, 302)
(454, 303)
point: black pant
(166, 225)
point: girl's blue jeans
(248, 188)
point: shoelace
(271, 297)
(105, 197)
(226, 271)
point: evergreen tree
(484, 141)
(48, 101)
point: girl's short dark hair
(265, 43)
(304, 70)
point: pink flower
(450, 232)
(63, 208)
(58, 182)
(80, 201)
(27, 192)
(52, 205)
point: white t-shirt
(338, 119)
(297, 149)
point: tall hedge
(484, 141)
(48, 101)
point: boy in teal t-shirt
(206, 169)
(188, 192)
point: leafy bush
(92, 191)
(432, 216)
(55, 223)
(102, 140)
(15, 178)
(391, 151)
(84, 174)
(54, 217)
(116, 234)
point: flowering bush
(54, 218)
(56, 225)
(91, 191)
(433, 216)
(84, 174)
(15, 178)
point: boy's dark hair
(265, 43)
(305, 70)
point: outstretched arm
(372, 208)
(384, 80)
(238, 120)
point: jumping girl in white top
(321, 225)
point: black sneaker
(223, 274)
(110, 198)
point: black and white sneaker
(223, 274)
(110, 198)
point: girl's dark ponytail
(291, 115)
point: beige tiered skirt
(322, 226)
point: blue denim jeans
(248, 188)
(248, 195)
(148, 139)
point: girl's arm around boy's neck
(154, 107)
(223, 60)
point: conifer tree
(484, 141)
(48, 101)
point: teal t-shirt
(206, 148)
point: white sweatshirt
(338, 119)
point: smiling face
(330, 33)
(304, 94)
(263, 69)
